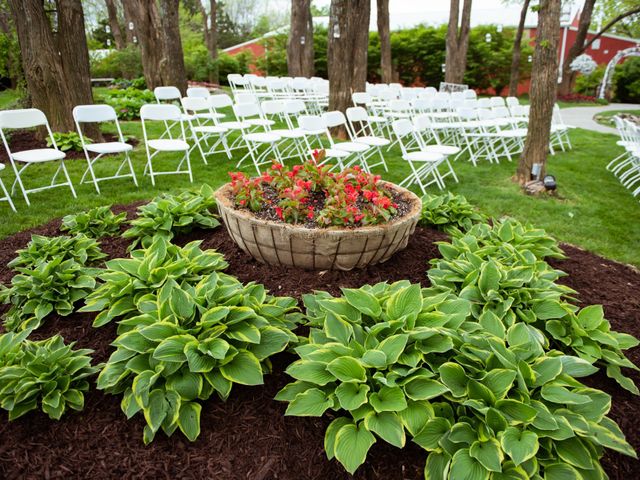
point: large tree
(173, 64)
(55, 63)
(114, 23)
(384, 33)
(300, 42)
(544, 75)
(568, 76)
(210, 18)
(514, 79)
(457, 41)
(347, 52)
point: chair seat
(109, 147)
(515, 133)
(559, 128)
(352, 147)
(209, 129)
(234, 125)
(376, 119)
(262, 137)
(168, 145)
(289, 133)
(314, 132)
(211, 116)
(422, 157)
(442, 149)
(333, 153)
(38, 155)
(260, 122)
(373, 141)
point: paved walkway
(582, 117)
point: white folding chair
(202, 130)
(292, 139)
(424, 165)
(164, 113)
(360, 151)
(559, 131)
(314, 127)
(198, 92)
(249, 115)
(361, 131)
(100, 114)
(6, 197)
(168, 95)
(29, 118)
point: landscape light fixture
(536, 168)
(108, 42)
(135, 39)
(444, 67)
(107, 29)
(530, 58)
(499, 28)
(130, 25)
(302, 40)
(487, 38)
(549, 182)
(336, 30)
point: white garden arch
(608, 73)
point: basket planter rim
(222, 197)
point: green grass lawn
(592, 210)
(606, 118)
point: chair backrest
(334, 119)
(22, 118)
(311, 123)
(357, 114)
(293, 107)
(517, 111)
(361, 98)
(497, 101)
(220, 101)
(195, 104)
(246, 110)
(501, 112)
(470, 94)
(163, 112)
(484, 103)
(94, 113)
(272, 107)
(246, 98)
(421, 104)
(402, 127)
(201, 92)
(422, 122)
(166, 93)
(512, 101)
(400, 106)
(457, 95)
(467, 114)
(470, 103)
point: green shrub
(170, 215)
(40, 249)
(502, 273)
(450, 213)
(398, 360)
(589, 84)
(45, 372)
(125, 63)
(127, 102)
(95, 223)
(137, 83)
(127, 282)
(626, 80)
(67, 141)
(191, 340)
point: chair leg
(66, 174)
(133, 173)
(18, 180)
(93, 175)
(7, 197)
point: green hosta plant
(127, 281)
(507, 283)
(80, 248)
(95, 223)
(170, 215)
(366, 358)
(450, 213)
(45, 373)
(67, 141)
(191, 340)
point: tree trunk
(544, 79)
(569, 76)
(514, 79)
(172, 64)
(147, 30)
(385, 41)
(214, 75)
(457, 42)
(300, 43)
(7, 29)
(57, 72)
(114, 24)
(347, 52)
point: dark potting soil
(26, 140)
(248, 437)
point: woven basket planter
(276, 243)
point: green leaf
(515, 411)
(156, 411)
(548, 309)
(352, 395)
(499, 381)
(393, 347)
(374, 359)
(172, 349)
(465, 467)
(388, 399)
(310, 371)
(488, 454)
(337, 328)
(437, 466)
(520, 445)
(272, 341)
(416, 415)
(489, 277)
(311, 403)
(574, 451)
(561, 471)
(388, 426)
(591, 317)
(363, 301)
(244, 369)
(347, 369)
(189, 420)
(454, 377)
(405, 302)
(562, 395)
(332, 432)
(352, 445)
(421, 388)
(429, 437)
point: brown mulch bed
(249, 436)
(26, 140)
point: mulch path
(248, 437)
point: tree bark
(300, 43)
(514, 79)
(114, 24)
(56, 67)
(211, 38)
(347, 52)
(172, 64)
(568, 76)
(544, 79)
(384, 33)
(457, 42)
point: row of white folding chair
(627, 165)
(559, 132)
